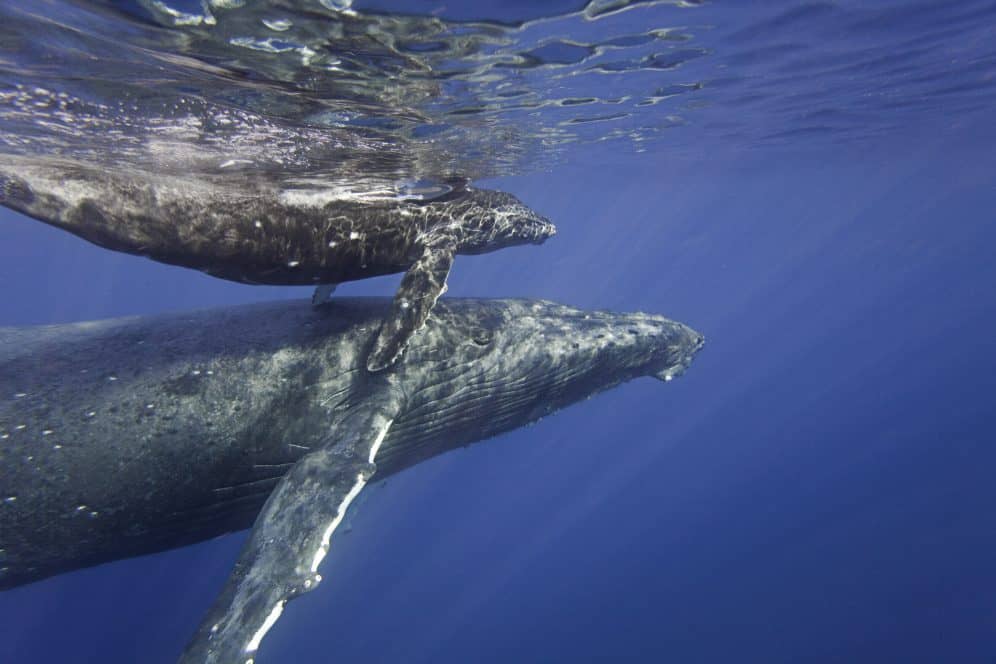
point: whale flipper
(289, 540)
(322, 293)
(421, 286)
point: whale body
(255, 232)
(135, 435)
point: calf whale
(258, 233)
(129, 436)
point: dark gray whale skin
(129, 436)
(261, 234)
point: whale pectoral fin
(421, 286)
(322, 293)
(288, 542)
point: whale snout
(682, 344)
(496, 219)
(542, 231)
(526, 225)
(695, 338)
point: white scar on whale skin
(361, 481)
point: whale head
(486, 220)
(481, 368)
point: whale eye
(480, 336)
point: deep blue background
(818, 487)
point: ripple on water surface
(360, 95)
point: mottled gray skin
(259, 234)
(129, 436)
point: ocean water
(810, 184)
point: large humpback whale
(261, 234)
(135, 435)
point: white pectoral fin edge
(361, 481)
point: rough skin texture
(135, 435)
(258, 234)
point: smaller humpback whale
(129, 436)
(261, 234)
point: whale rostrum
(255, 232)
(135, 435)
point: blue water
(818, 487)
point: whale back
(135, 435)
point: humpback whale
(134, 435)
(263, 234)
